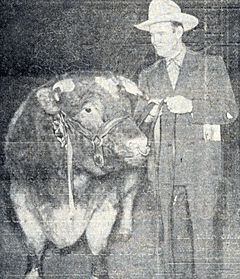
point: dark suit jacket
(204, 80)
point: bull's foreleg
(130, 191)
(99, 267)
(97, 233)
(34, 266)
(126, 222)
(35, 237)
(35, 242)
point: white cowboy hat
(166, 10)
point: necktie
(173, 69)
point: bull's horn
(109, 85)
(65, 85)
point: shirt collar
(178, 59)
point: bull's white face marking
(130, 86)
(109, 85)
(66, 85)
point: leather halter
(96, 139)
(67, 124)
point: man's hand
(153, 113)
(179, 104)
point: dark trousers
(188, 238)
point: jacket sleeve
(217, 105)
(142, 101)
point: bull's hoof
(33, 274)
(125, 229)
(100, 277)
(99, 267)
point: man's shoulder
(199, 58)
(203, 56)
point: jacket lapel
(188, 69)
(161, 82)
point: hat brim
(188, 21)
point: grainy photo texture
(120, 139)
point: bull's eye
(88, 110)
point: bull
(72, 151)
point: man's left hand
(179, 104)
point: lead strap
(70, 173)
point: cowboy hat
(166, 10)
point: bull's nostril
(145, 152)
(133, 145)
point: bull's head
(94, 115)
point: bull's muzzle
(139, 146)
(144, 152)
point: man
(186, 159)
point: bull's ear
(48, 97)
(130, 86)
(48, 100)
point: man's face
(164, 38)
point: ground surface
(135, 258)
